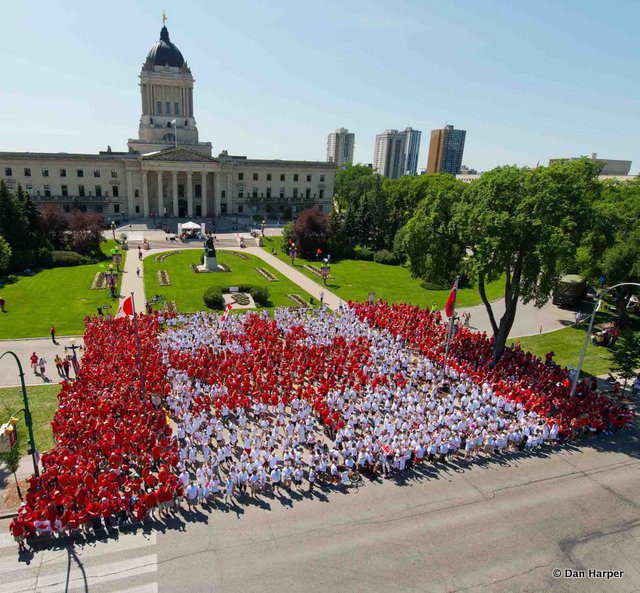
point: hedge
(384, 256)
(61, 259)
(213, 298)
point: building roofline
(113, 156)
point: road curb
(8, 513)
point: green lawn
(567, 344)
(58, 296)
(353, 279)
(43, 402)
(187, 288)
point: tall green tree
(625, 356)
(431, 240)
(5, 255)
(527, 225)
(350, 183)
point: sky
(529, 81)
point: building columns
(160, 195)
(203, 193)
(174, 179)
(189, 194)
(216, 197)
(145, 195)
(130, 204)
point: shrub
(434, 285)
(364, 253)
(67, 259)
(213, 298)
(384, 256)
(260, 295)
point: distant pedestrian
(2, 305)
(138, 272)
(139, 252)
(66, 366)
(59, 368)
(41, 365)
(322, 297)
(34, 363)
(100, 313)
(53, 335)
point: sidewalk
(313, 288)
(130, 281)
(7, 481)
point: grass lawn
(353, 279)
(187, 288)
(43, 402)
(567, 344)
(58, 296)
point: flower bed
(237, 254)
(313, 269)
(266, 274)
(298, 300)
(241, 298)
(99, 281)
(163, 278)
(163, 256)
(170, 307)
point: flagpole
(450, 329)
(140, 365)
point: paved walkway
(23, 348)
(529, 319)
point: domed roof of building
(165, 53)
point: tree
(86, 232)
(625, 356)
(55, 224)
(610, 248)
(350, 183)
(366, 220)
(5, 255)
(310, 232)
(431, 239)
(527, 225)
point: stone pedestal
(210, 263)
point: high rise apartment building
(340, 147)
(446, 148)
(396, 153)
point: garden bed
(170, 307)
(241, 298)
(222, 268)
(237, 254)
(266, 274)
(99, 281)
(313, 269)
(163, 278)
(298, 300)
(163, 256)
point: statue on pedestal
(209, 247)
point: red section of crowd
(113, 452)
(518, 375)
(277, 368)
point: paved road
(499, 527)
(529, 319)
(23, 348)
(502, 527)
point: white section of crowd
(386, 428)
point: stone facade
(167, 170)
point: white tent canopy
(190, 226)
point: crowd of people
(114, 454)
(265, 402)
(519, 375)
(236, 405)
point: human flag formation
(226, 311)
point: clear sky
(527, 80)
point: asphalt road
(499, 526)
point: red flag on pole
(448, 308)
(126, 308)
(226, 311)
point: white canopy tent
(190, 226)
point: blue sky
(527, 80)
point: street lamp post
(596, 306)
(27, 413)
